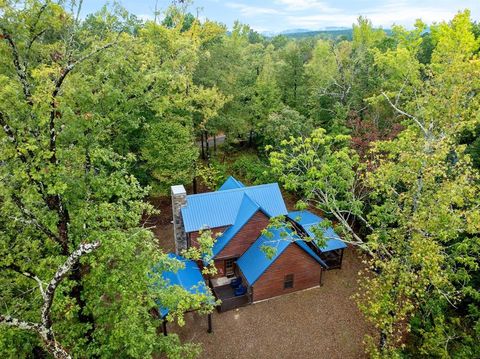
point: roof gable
(247, 210)
(221, 208)
(308, 220)
(254, 262)
(231, 183)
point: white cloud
(248, 10)
(385, 15)
(277, 15)
(302, 5)
(403, 13)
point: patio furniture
(236, 282)
(241, 290)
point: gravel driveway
(322, 322)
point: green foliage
(252, 169)
(416, 199)
(425, 209)
(212, 174)
(169, 154)
(323, 169)
(80, 102)
(204, 251)
(284, 124)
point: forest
(101, 113)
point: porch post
(341, 258)
(164, 324)
(210, 329)
(321, 276)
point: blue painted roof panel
(254, 262)
(247, 209)
(217, 209)
(190, 278)
(308, 220)
(231, 183)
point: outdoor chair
(241, 290)
(236, 282)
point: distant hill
(327, 33)
(332, 32)
(294, 31)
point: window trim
(289, 281)
(233, 261)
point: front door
(230, 267)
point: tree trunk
(215, 144)
(203, 148)
(76, 293)
(207, 151)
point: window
(229, 269)
(288, 281)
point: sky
(279, 15)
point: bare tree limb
(27, 274)
(415, 119)
(14, 322)
(19, 68)
(44, 329)
(61, 273)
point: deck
(229, 300)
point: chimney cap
(178, 190)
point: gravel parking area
(322, 322)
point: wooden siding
(294, 261)
(220, 269)
(194, 235)
(245, 237)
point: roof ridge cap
(232, 190)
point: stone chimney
(179, 200)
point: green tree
(283, 124)
(291, 74)
(425, 208)
(76, 269)
(324, 171)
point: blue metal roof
(306, 248)
(254, 262)
(231, 183)
(221, 208)
(247, 209)
(308, 220)
(190, 278)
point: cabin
(239, 215)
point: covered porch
(331, 253)
(232, 292)
(189, 278)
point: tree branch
(21, 73)
(11, 136)
(58, 86)
(61, 273)
(425, 132)
(32, 217)
(14, 322)
(17, 269)
(44, 330)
